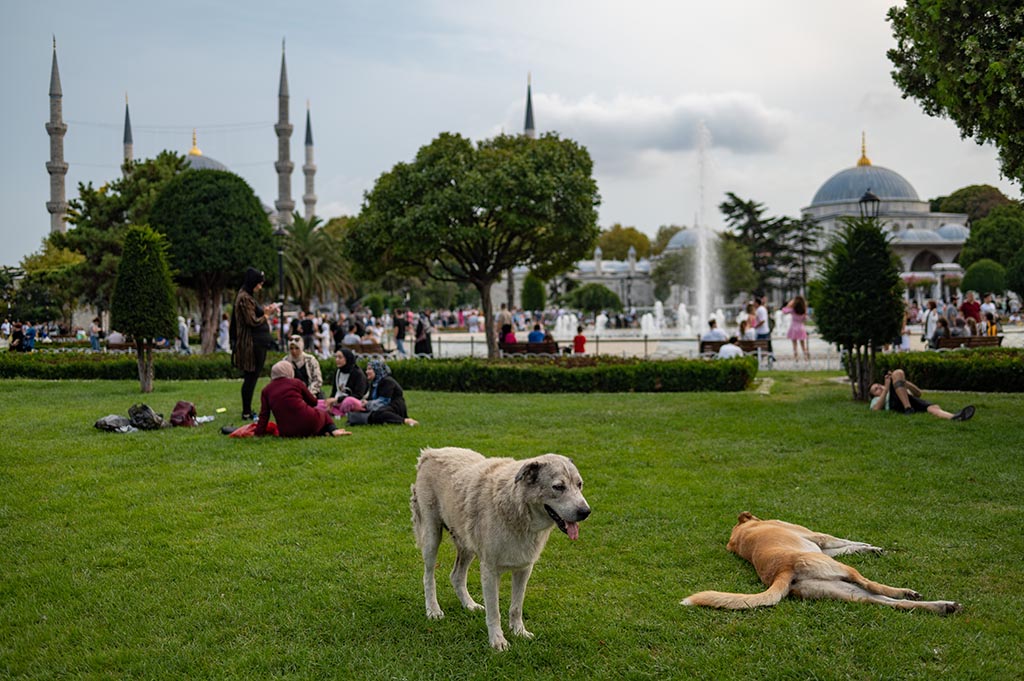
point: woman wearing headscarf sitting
(349, 384)
(306, 366)
(385, 402)
(293, 406)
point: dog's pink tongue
(573, 530)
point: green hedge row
(977, 370)
(569, 374)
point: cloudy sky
(785, 89)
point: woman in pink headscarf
(293, 406)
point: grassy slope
(184, 554)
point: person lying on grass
(293, 406)
(900, 395)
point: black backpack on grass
(143, 417)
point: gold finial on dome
(194, 151)
(864, 160)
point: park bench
(542, 348)
(367, 349)
(970, 342)
(761, 348)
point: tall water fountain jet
(706, 270)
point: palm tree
(314, 266)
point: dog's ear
(529, 472)
(745, 516)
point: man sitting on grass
(899, 394)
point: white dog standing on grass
(500, 510)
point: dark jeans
(249, 379)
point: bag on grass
(143, 417)
(112, 422)
(184, 414)
(249, 430)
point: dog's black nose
(582, 512)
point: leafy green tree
(98, 219)
(594, 298)
(976, 200)
(984, 276)
(963, 60)
(466, 213)
(313, 263)
(533, 292)
(664, 235)
(34, 299)
(143, 302)
(8, 286)
(998, 236)
(216, 228)
(616, 240)
(54, 268)
(1015, 274)
(765, 237)
(860, 307)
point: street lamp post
(869, 205)
(280, 235)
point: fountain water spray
(706, 269)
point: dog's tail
(719, 599)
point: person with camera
(250, 335)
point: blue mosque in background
(928, 244)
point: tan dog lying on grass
(792, 559)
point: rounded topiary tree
(533, 292)
(860, 305)
(142, 304)
(216, 228)
(595, 298)
(984, 276)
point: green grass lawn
(184, 554)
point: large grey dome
(850, 184)
(685, 238)
(199, 162)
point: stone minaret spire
(129, 147)
(309, 170)
(528, 128)
(284, 165)
(55, 128)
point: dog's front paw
(499, 643)
(911, 595)
(435, 613)
(520, 630)
(473, 606)
(950, 607)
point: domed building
(928, 244)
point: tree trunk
(144, 359)
(484, 288)
(511, 291)
(209, 315)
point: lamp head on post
(869, 204)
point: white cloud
(628, 133)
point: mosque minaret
(309, 170)
(528, 128)
(284, 204)
(57, 167)
(129, 145)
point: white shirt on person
(762, 320)
(714, 334)
(729, 350)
